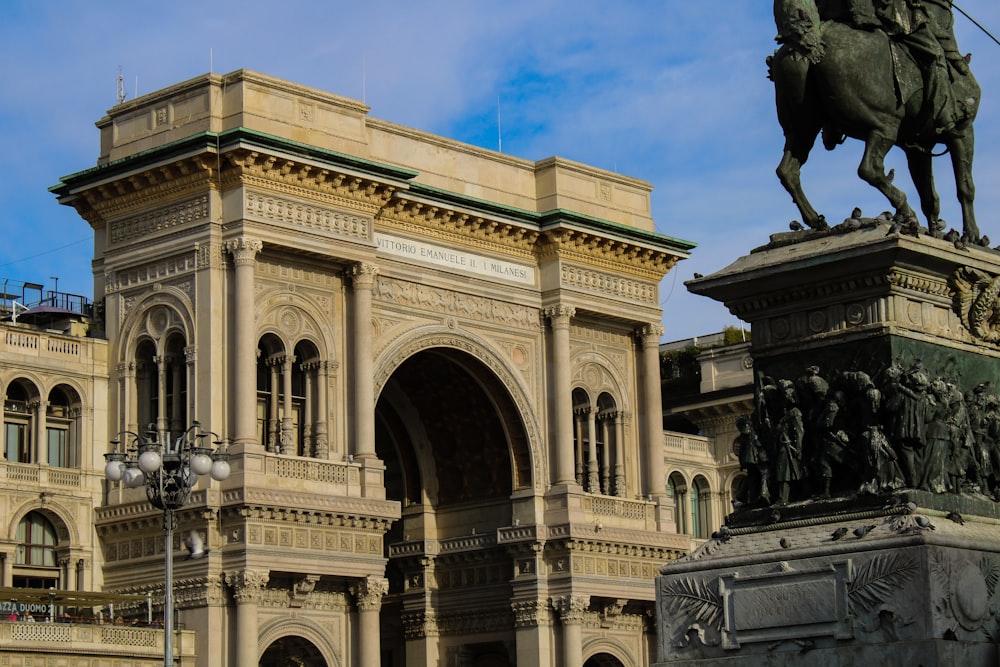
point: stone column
(308, 371)
(190, 357)
(571, 609)
(593, 474)
(368, 593)
(562, 403)
(363, 280)
(176, 408)
(606, 423)
(41, 454)
(321, 430)
(127, 417)
(244, 396)
(247, 586)
(532, 632)
(578, 455)
(287, 443)
(620, 419)
(652, 407)
(162, 427)
(8, 567)
(273, 432)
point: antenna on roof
(364, 81)
(211, 67)
(120, 87)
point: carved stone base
(896, 585)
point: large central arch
(455, 446)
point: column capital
(559, 315)
(650, 334)
(571, 608)
(363, 275)
(247, 585)
(531, 613)
(190, 354)
(368, 592)
(244, 250)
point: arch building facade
(436, 368)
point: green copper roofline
(224, 140)
(552, 218)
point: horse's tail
(799, 28)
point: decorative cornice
(255, 168)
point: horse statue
(835, 78)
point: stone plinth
(870, 532)
(902, 586)
(862, 299)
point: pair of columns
(248, 587)
(651, 408)
(244, 251)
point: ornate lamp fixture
(169, 472)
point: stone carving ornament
(976, 303)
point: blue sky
(673, 92)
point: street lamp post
(169, 470)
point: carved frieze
(609, 284)
(194, 210)
(438, 301)
(306, 215)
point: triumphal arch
(434, 366)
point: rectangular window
(16, 442)
(58, 447)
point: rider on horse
(925, 29)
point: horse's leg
(797, 147)
(872, 171)
(962, 149)
(922, 174)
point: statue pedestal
(915, 589)
(877, 366)
(860, 300)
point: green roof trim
(220, 141)
(549, 219)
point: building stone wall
(434, 366)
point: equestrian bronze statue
(886, 72)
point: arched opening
(455, 449)
(610, 451)
(678, 490)
(701, 508)
(603, 660)
(19, 422)
(583, 442)
(35, 562)
(62, 427)
(161, 385)
(270, 363)
(292, 652)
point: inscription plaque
(786, 605)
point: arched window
(581, 437)
(35, 563)
(62, 432)
(161, 386)
(287, 387)
(677, 489)
(18, 424)
(609, 450)
(701, 508)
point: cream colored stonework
(408, 342)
